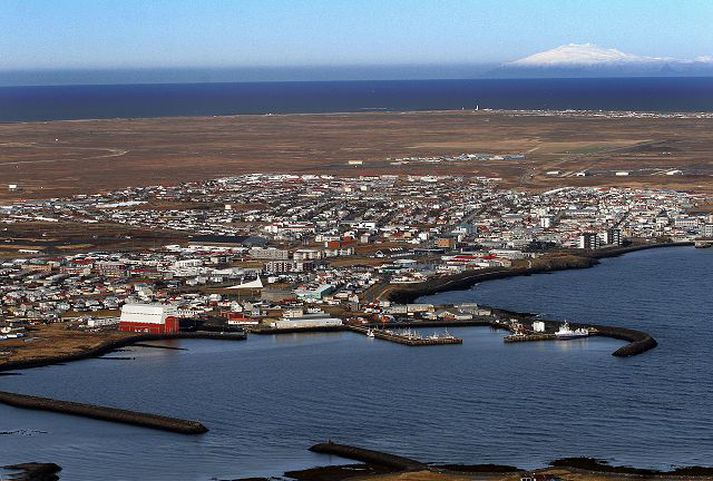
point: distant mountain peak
(589, 60)
(581, 54)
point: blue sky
(60, 34)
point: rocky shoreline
(552, 263)
(381, 464)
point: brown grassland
(65, 157)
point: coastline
(593, 260)
(639, 341)
(569, 261)
(386, 466)
(109, 346)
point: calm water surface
(266, 400)
(164, 100)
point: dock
(153, 421)
(703, 243)
(407, 340)
(529, 337)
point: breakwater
(103, 413)
(369, 456)
(638, 341)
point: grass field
(60, 158)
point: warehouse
(149, 318)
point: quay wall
(295, 330)
(407, 341)
(103, 413)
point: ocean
(268, 399)
(205, 99)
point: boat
(448, 335)
(443, 336)
(410, 334)
(370, 333)
(565, 332)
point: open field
(55, 341)
(60, 158)
(58, 238)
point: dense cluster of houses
(317, 239)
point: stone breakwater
(368, 456)
(103, 413)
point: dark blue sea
(268, 399)
(165, 100)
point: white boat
(370, 332)
(438, 337)
(410, 334)
(565, 332)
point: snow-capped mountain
(581, 54)
(586, 60)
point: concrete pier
(103, 413)
(392, 336)
(529, 337)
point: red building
(149, 319)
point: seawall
(466, 280)
(408, 294)
(103, 413)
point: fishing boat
(439, 337)
(565, 332)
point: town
(306, 251)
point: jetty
(368, 456)
(407, 338)
(153, 421)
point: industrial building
(149, 318)
(307, 321)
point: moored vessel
(565, 332)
